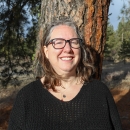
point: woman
(65, 98)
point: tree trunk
(91, 17)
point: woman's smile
(66, 59)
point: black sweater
(93, 108)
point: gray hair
(54, 24)
(85, 67)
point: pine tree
(15, 45)
(110, 43)
(125, 50)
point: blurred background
(19, 21)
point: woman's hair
(43, 68)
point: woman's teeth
(66, 58)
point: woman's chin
(67, 71)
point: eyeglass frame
(69, 41)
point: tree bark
(91, 17)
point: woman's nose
(67, 46)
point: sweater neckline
(56, 99)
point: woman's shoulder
(96, 82)
(31, 88)
(32, 85)
(97, 85)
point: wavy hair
(43, 68)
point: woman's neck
(71, 81)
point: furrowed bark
(91, 17)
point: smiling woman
(65, 97)
(66, 58)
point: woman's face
(63, 61)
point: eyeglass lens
(60, 43)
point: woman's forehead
(62, 30)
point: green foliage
(111, 43)
(125, 50)
(17, 37)
(117, 42)
(123, 32)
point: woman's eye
(59, 42)
(74, 42)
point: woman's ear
(45, 51)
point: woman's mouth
(66, 58)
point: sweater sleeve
(17, 114)
(114, 115)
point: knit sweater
(93, 108)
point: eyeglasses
(60, 43)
